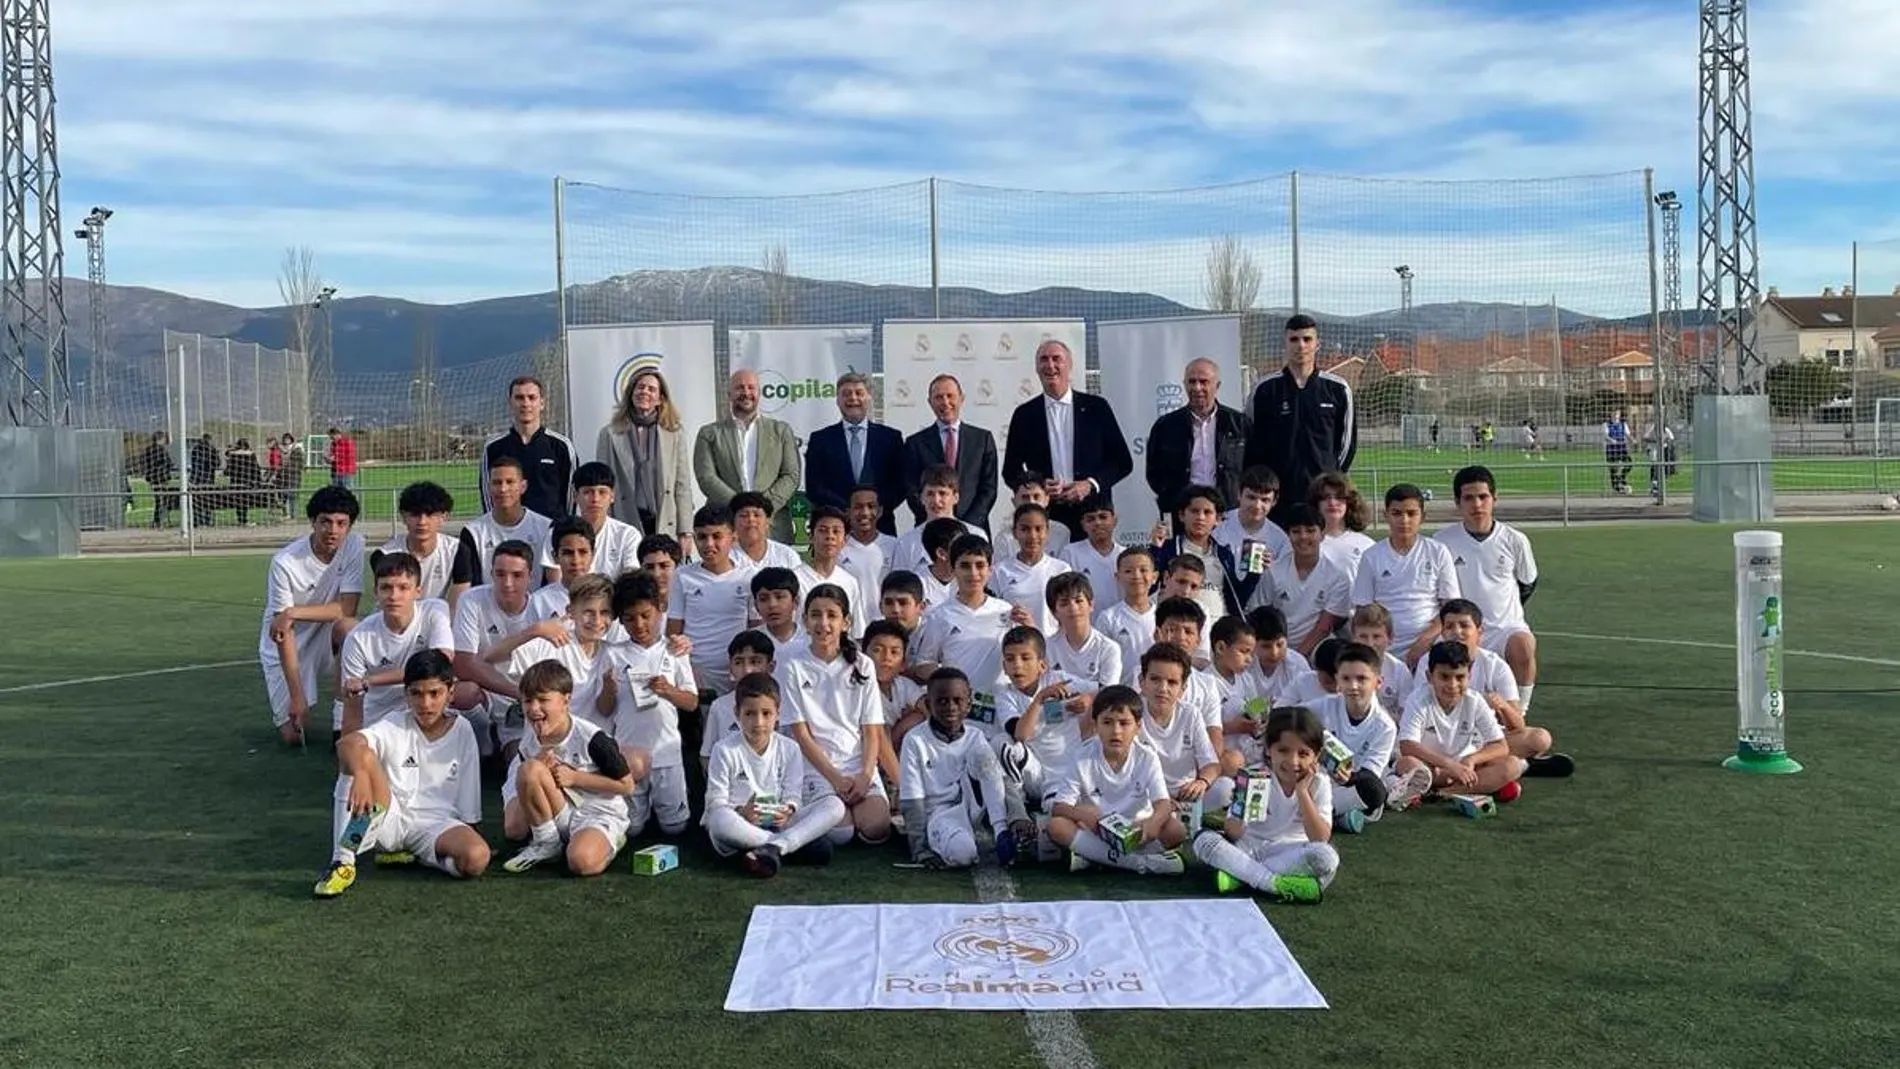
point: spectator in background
(290, 474)
(245, 477)
(547, 457)
(646, 448)
(202, 466)
(1616, 451)
(156, 467)
(342, 460)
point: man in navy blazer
(856, 451)
(964, 446)
(1067, 438)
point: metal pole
(1563, 380)
(184, 457)
(1293, 222)
(936, 276)
(230, 407)
(257, 394)
(198, 361)
(165, 356)
(1853, 335)
(560, 289)
(1655, 335)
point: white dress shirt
(1060, 413)
(749, 454)
(1201, 463)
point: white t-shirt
(1273, 687)
(866, 565)
(642, 718)
(297, 578)
(1456, 732)
(777, 555)
(484, 533)
(1305, 690)
(735, 774)
(1374, 741)
(836, 708)
(1097, 664)
(938, 773)
(908, 554)
(1345, 548)
(904, 693)
(481, 622)
(937, 592)
(431, 780)
(1490, 674)
(372, 647)
(1005, 544)
(1130, 790)
(875, 556)
(571, 750)
(971, 639)
(1327, 588)
(1411, 585)
(722, 720)
(842, 578)
(1181, 744)
(436, 567)
(616, 548)
(1490, 569)
(550, 603)
(1282, 822)
(1202, 696)
(1233, 534)
(713, 607)
(1395, 681)
(1133, 632)
(1025, 586)
(587, 669)
(1055, 741)
(1099, 567)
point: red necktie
(950, 446)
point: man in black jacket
(1203, 444)
(1303, 420)
(1068, 438)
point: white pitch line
(83, 681)
(1056, 1034)
(1850, 658)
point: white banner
(798, 369)
(1080, 955)
(994, 359)
(601, 361)
(1142, 365)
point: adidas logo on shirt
(1459, 561)
(1387, 574)
(409, 762)
(739, 774)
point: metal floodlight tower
(1728, 263)
(37, 386)
(92, 231)
(1406, 275)
(323, 368)
(1671, 208)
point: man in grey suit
(747, 451)
(968, 448)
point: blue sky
(412, 143)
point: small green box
(1122, 835)
(1254, 804)
(1475, 806)
(656, 859)
(1335, 756)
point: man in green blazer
(747, 451)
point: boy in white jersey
(1115, 775)
(1189, 761)
(1410, 575)
(1255, 541)
(763, 804)
(1098, 555)
(887, 644)
(939, 493)
(491, 622)
(949, 779)
(507, 520)
(1372, 626)
(777, 607)
(711, 599)
(965, 631)
(1185, 577)
(616, 542)
(1222, 591)
(1179, 622)
(1453, 732)
(1498, 571)
(752, 544)
(747, 653)
(1006, 545)
(901, 600)
(1039, 724)
(410, 784)
(660, 557)
(309, 607)
(1285, 850)
(1130, 621)
(939, 580)
(1233, 641)
(1091, 659)
(868, 552)
(1312, 590)
(573, 542)
(377, 651)
(580, 646)
(1353, 716)
(1023, 579)
(1491, 678)
(567, 791)
(830, 695)
(650, 689)
(424, 507)
(827, 527)
(1276, 668)
(1317, 681)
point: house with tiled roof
(1840, 329)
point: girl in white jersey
(831, 700)
(1344, 513)
(1278, 834)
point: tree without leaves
(298, 283)
(778, 285)
(1232, 283)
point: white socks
(1524, 697)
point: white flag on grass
(1178, 954)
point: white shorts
(416, 834)
(315, 661)
(661, 794)
(1494, 638)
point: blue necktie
(857, 452)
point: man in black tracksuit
(1303, 420)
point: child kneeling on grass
(410, 784)
(1116, 780)
(567, 790)
(1277, 837)
(763, 802)
(948, 778)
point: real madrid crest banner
(1142, 365)
(1076, 955)
(601, 361)
(798, 369)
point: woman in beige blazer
(648, 453)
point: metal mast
(1728, 265)
(1406, 275)
(36, 389)
(1671, 343)
(92, 231)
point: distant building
(1844, 331)
(1631, 373)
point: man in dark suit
(1203, 444)
(856, 451)
(969, 449)
(1067, 438)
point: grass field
(159, 847)
(1572, 472)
